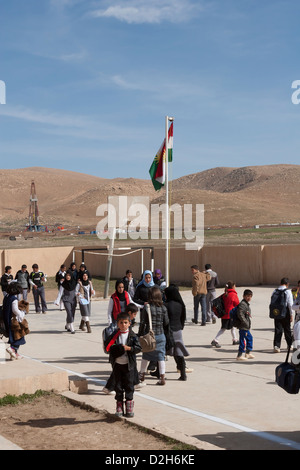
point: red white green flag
(158, 168)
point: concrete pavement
(224, 404)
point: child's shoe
(142, 376)
(162, 380)
(240, 357)
(129, 408)
(249, 355)
(12, 353)
(139, 385)
(119, 409)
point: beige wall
(48, 259)
(280, 261)
(241, 264)
(246, 265)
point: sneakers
(276, 349)
(140, 385)
(249, 356)
(215, 343)
(235, 342)
(241, 358)
(12, 352)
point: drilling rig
(34, 224)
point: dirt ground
(51, 422)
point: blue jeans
(246, 339)
(200, 299)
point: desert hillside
(231, 196)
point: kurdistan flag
(158, 167)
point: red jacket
(117, 305)
(231, 300)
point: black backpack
(233, 316)
(3, 330)
(217, 306)
(278, 305)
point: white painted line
(264, 435)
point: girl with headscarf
(68, 295)
(118, 302)
(85, 291)
(160, 326)
(11, 310)
(177, 316)
(142, 289)
(158, 279)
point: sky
(88, 84)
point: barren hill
(231, 196)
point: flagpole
(167, 274)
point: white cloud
(42, 117)
(151, 11)
(68, 125)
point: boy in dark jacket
(122, 346)
(244, 324)
(6, 279)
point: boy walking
(36, 280)
(123, 345)
(243, 323)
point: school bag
(233, 316)
(3, 330)
(217, 306)
(106, 333)
(287, 376)
(278, 304)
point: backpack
(233, 316)
(3, 330)
(106, 333)
(217, 306)
(278, 304)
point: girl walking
(67, 294)
(231, 300)
(85, 291)
(177, 316)
(160, 324)
(12, 311)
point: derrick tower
(34, 224)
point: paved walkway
(224, 404)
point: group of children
(75, 286)
(242, 322)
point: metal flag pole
(167, 274)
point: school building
(246, 265)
